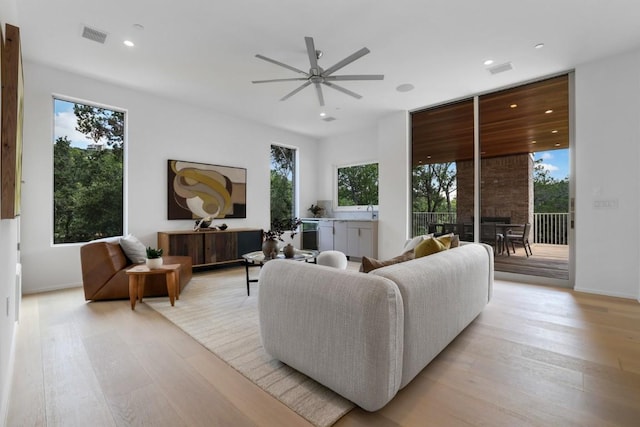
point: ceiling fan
(319, 76)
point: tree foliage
(100, 124)
(88, 183)
(433, 186)
(550, 194)
(282, 184)
(358, 185)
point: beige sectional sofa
(367, 335)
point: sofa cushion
(433, 245)
(133, 249)
(411, 244)
(370, 264)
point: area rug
(215, 310)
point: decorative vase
(270, 248)
(289, 251)
(154, 263)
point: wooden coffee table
(138, 273)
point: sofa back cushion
(100, 261)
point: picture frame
(200, 190)
(11, 122)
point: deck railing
(549, 228)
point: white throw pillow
(411, 244)
(133, 248)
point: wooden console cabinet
(211, 247)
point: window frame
(352, 208)
(125, 164)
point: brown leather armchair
(104, 277)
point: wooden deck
(547, 261)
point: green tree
(550, 194)
(282, 184)
(433, 186)
(100, 124)
(88, 183)
(358, 185)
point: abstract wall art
(199, 190)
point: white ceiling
(203, 52)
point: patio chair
(489, 236)
(521, 238)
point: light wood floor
(535, 356)
(547, 261)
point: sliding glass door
(521, 138)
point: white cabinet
(325, 235)
(340, 240)
(362, 239)
(353, 238)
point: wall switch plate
(606, 204)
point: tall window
(283, 183)
(88, 168)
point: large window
(88, 169)
(357, 186)
(283, 184)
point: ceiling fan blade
(319, 92)
(346, 61)
(289, 67)
(290, 94)
(356, 77)
(280, 80)
(343, 90)
(313, 59)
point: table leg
(177, 274)
(246, 266)
(133, 290)
(171, 286)
(141, 280)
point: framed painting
(200, 190)
(12, 116)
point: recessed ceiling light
(554, 131)
(539, 46)
(138, 26)
(534, 142)
(548, 112)
(323, 114)
(488, 62)
(428, 157)
(513, 105)
(129, 43)
(557, 144)
(405, 87)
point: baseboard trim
(534, 280)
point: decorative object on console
(199, 190)
(202, 223)
(154, 258)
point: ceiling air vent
(329, 119)
(501, 68)
(93, 34)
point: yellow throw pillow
(432, 246)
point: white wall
(607, 162)
(393, 149)
(9, 230)
(158, 130)
(354, 147)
